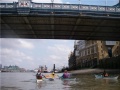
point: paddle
(59, 76)
(44, 76)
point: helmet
(38, 70)
(53, 73)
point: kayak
(108, 77)
(71, 79)
(51, 76)
(39, 80)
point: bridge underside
(60, 27)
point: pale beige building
(89, 52)
(116, 49)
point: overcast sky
(90, 2)
(30, 53)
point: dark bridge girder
(77, 27)
(27, 19)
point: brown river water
(27, 81)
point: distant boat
(35, 70)
(54, 71)
(45, 71)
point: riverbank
(93, 71)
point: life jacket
(65, 75)
(39, 76)
(106, 75)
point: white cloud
(60, 49)
(54, 57)
(26, 44)
(11, 53)
(59, 54)
(67, 2)
(14, 57)
(16, 43)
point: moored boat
(108, 77)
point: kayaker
(39, 75)
(66, 74)
(53, 75)
(105, 74)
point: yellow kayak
(51, 76)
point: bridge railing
(76, 7)
(56, 6)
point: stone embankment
(93, 71)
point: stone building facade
(88, 53)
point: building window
(92, 42)
(84, 53)
(95, 50)
(88, 51)
(80, 53)
(92, 50)
(101, 51)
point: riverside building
(90, 53)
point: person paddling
(65, 74)
(39, 75)
(53, 75)
(105, 74)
